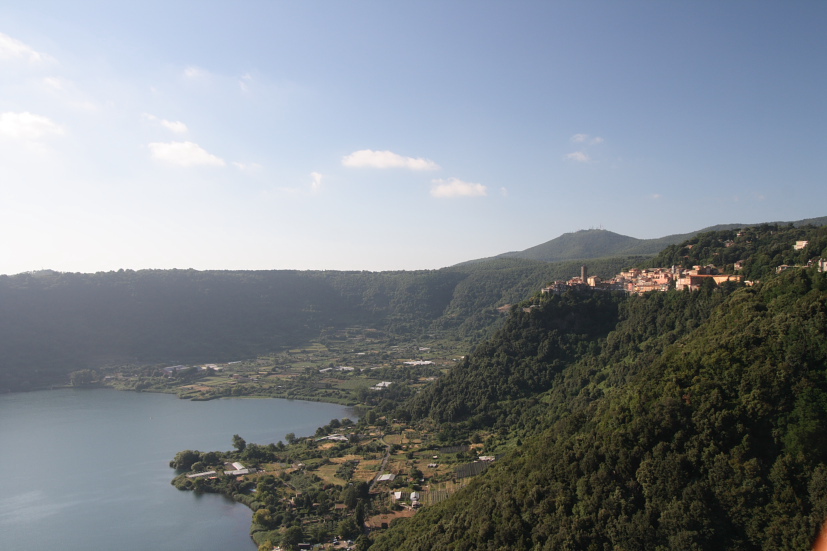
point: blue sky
(389, 135)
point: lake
(89, 469)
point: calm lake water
(88, 469)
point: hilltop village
(637, 281)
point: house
(237, 470)
(693, 282)
(168, 371)
(201, 475)
(334, 437)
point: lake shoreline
(129, 439)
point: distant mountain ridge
(594, 243)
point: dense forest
(54, 323)
(757, 251)
(678, 420)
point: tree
(210, 458)
(184, 460)
(263, 517)
(290, 437)
(320, 533)
(239, 443)
(363, 543)
(292, 537)
(360, 513)
(348, 529)
(350, 497)
(83, 377)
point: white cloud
(316, 183)
(504, 192)
(386, 159)
(27, 126)
(247, 167)
(582, 138)
(454, 187)
(195, 72)
(657, 196)
(177, 127)
(578, 156)
(55, 83)
(11, 48)
(245, 81)
(184, 154)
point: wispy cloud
(195, 72)
(316, 182)
(585, 138)
(245, 81)
(578, 156)
(177, 127)
(386, 159)
(27, 126)
(55, 83)
(184, 154)
(66, 91)
(13, 49)
(454, 187)
(750, 196)
(247, 167)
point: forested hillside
(696, 423)
(521, 360)
(755, 251)
(54, 323)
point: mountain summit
(585, 244)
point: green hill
(678, 420)
(599, 243)
(54, 323)
(698, 424)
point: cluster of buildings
(638, 281)
(170, 371)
